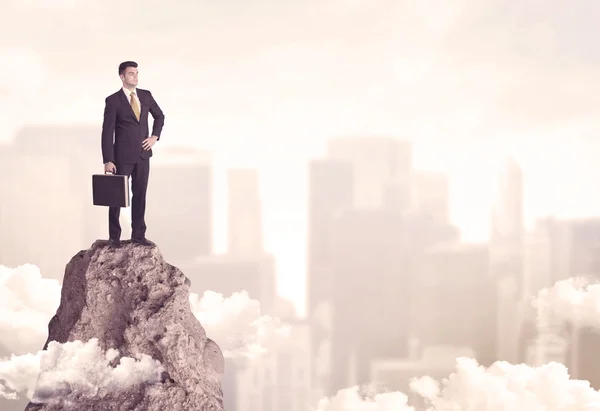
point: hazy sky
(265, 83)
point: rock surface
(131, 300)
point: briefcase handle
(106, 172)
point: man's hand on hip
(110, 168)
(149, 142)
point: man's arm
(158, 115)
(108, 131)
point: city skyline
(473, 222)
(265, 85)
(355, 191)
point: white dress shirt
(128, 95)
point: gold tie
(134, 106)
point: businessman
(127, 147)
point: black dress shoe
(114, 243)
(142, 241)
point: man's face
(130, 77)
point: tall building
(432, 195)
(330, 193)
(437, 362)
(552, 339)
(549, 253)
(382, 169)
(507, 258)
(179, 203)
(79, 146)
(556, 249)
(507, 227)
(226, 275)
(48, 181)
(527, 336)
(7, 162)
(230, 385)
(39, 211)
(559, 249)
(454, 299)
(507, 214)
(244, 213)
(280, 379)
(371, 273)
(569, 248)
(585, 362)
(582, 249)
(373, 264)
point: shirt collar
(128, 93)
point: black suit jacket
(129, 133)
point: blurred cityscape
(393, 292)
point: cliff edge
(134, 302)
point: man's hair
(123, 66)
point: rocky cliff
(134, 302)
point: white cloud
(27, 303)
(505, 386)
(351, 399)
(19, 374)
(574, 300)
(235, 323)
(86, 369)
(501, 387)
(82, 368)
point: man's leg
(139, 186)
(114, 227)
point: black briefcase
(111, 190)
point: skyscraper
(371, 275)
(48, 181)
(226, 275)
(507, 258)
(432, 195)
(244, 213)
(382, 166)
(179, 203)
(565, 249)
(453, 299)
(77, 145)
(507, 212)
(330, 193)
(374, 260)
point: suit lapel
(141, 104)
(124, 100)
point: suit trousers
(139, 173)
